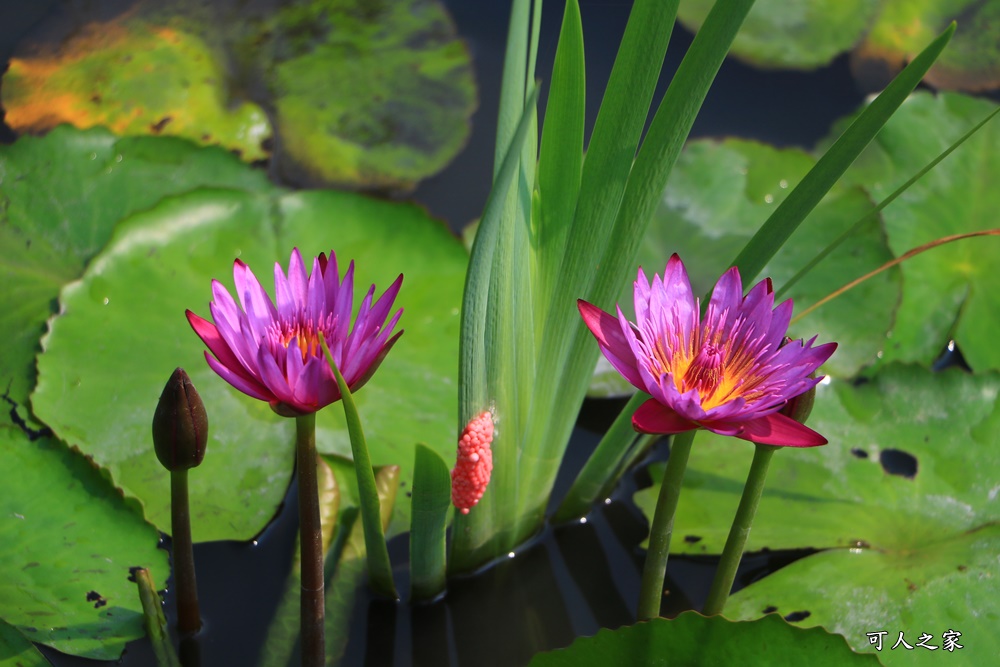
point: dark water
(575, 579)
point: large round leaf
(906, 491)
(801, 34)
(134, 77)
(936, 588)
(692, 639)
(61, 196)
(903, 28)
(69, 540)
(122, 331)
(952, 291)
(884, 34)
(362, 94)
(381, 97)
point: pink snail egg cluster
(475, 463)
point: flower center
(719, 370)
(303, 332)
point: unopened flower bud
(798, 408)
(180, 424)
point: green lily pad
(70, 540)
(937, 588)
(953, 291)
(122, 331)
(803, 34)
(16, 650)
(380, 97)
(134, 77)
(61, 196)
(361, 94)
(883, 34)
(908, 546)
(903, 27)
(692, 639)
(718, 196)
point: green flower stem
(733, 551)
(310, 543)
(379, 567)
(655, 568)
(188, 614)
(602, 465)
(153, 619)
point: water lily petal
(250, 388)
(777, 429)
(274, 353)
(730, 372)
(654, 417)
(612, 341)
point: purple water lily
(730, 372)
(273, 353)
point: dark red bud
(180, 424)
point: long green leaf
(431, 499)
(512, 89)
(602, 464)
(605, 174)
(575, 360)
(801, 201)
(881, 205)
(484, 359)
(560, 159)
(154, 620)
(379, 568)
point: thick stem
(733, 551)
(311, 543)
(655, 568)
(188, 614)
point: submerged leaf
(379, 96)
(363, 94)
(134, 77)
(799, 34)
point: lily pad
(134, 77)
(122, 330)
(61, 196)
(883, 35)
(361, 94)
(381, 97)
(718, 196)
(802, 34)
(70, 540)
(953, 291)
(937, 588)
(905, 496)
(692, 639)
(902, 28)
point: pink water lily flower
(730, 372)
(273, 352)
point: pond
(572, 580)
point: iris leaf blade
(801, 201)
